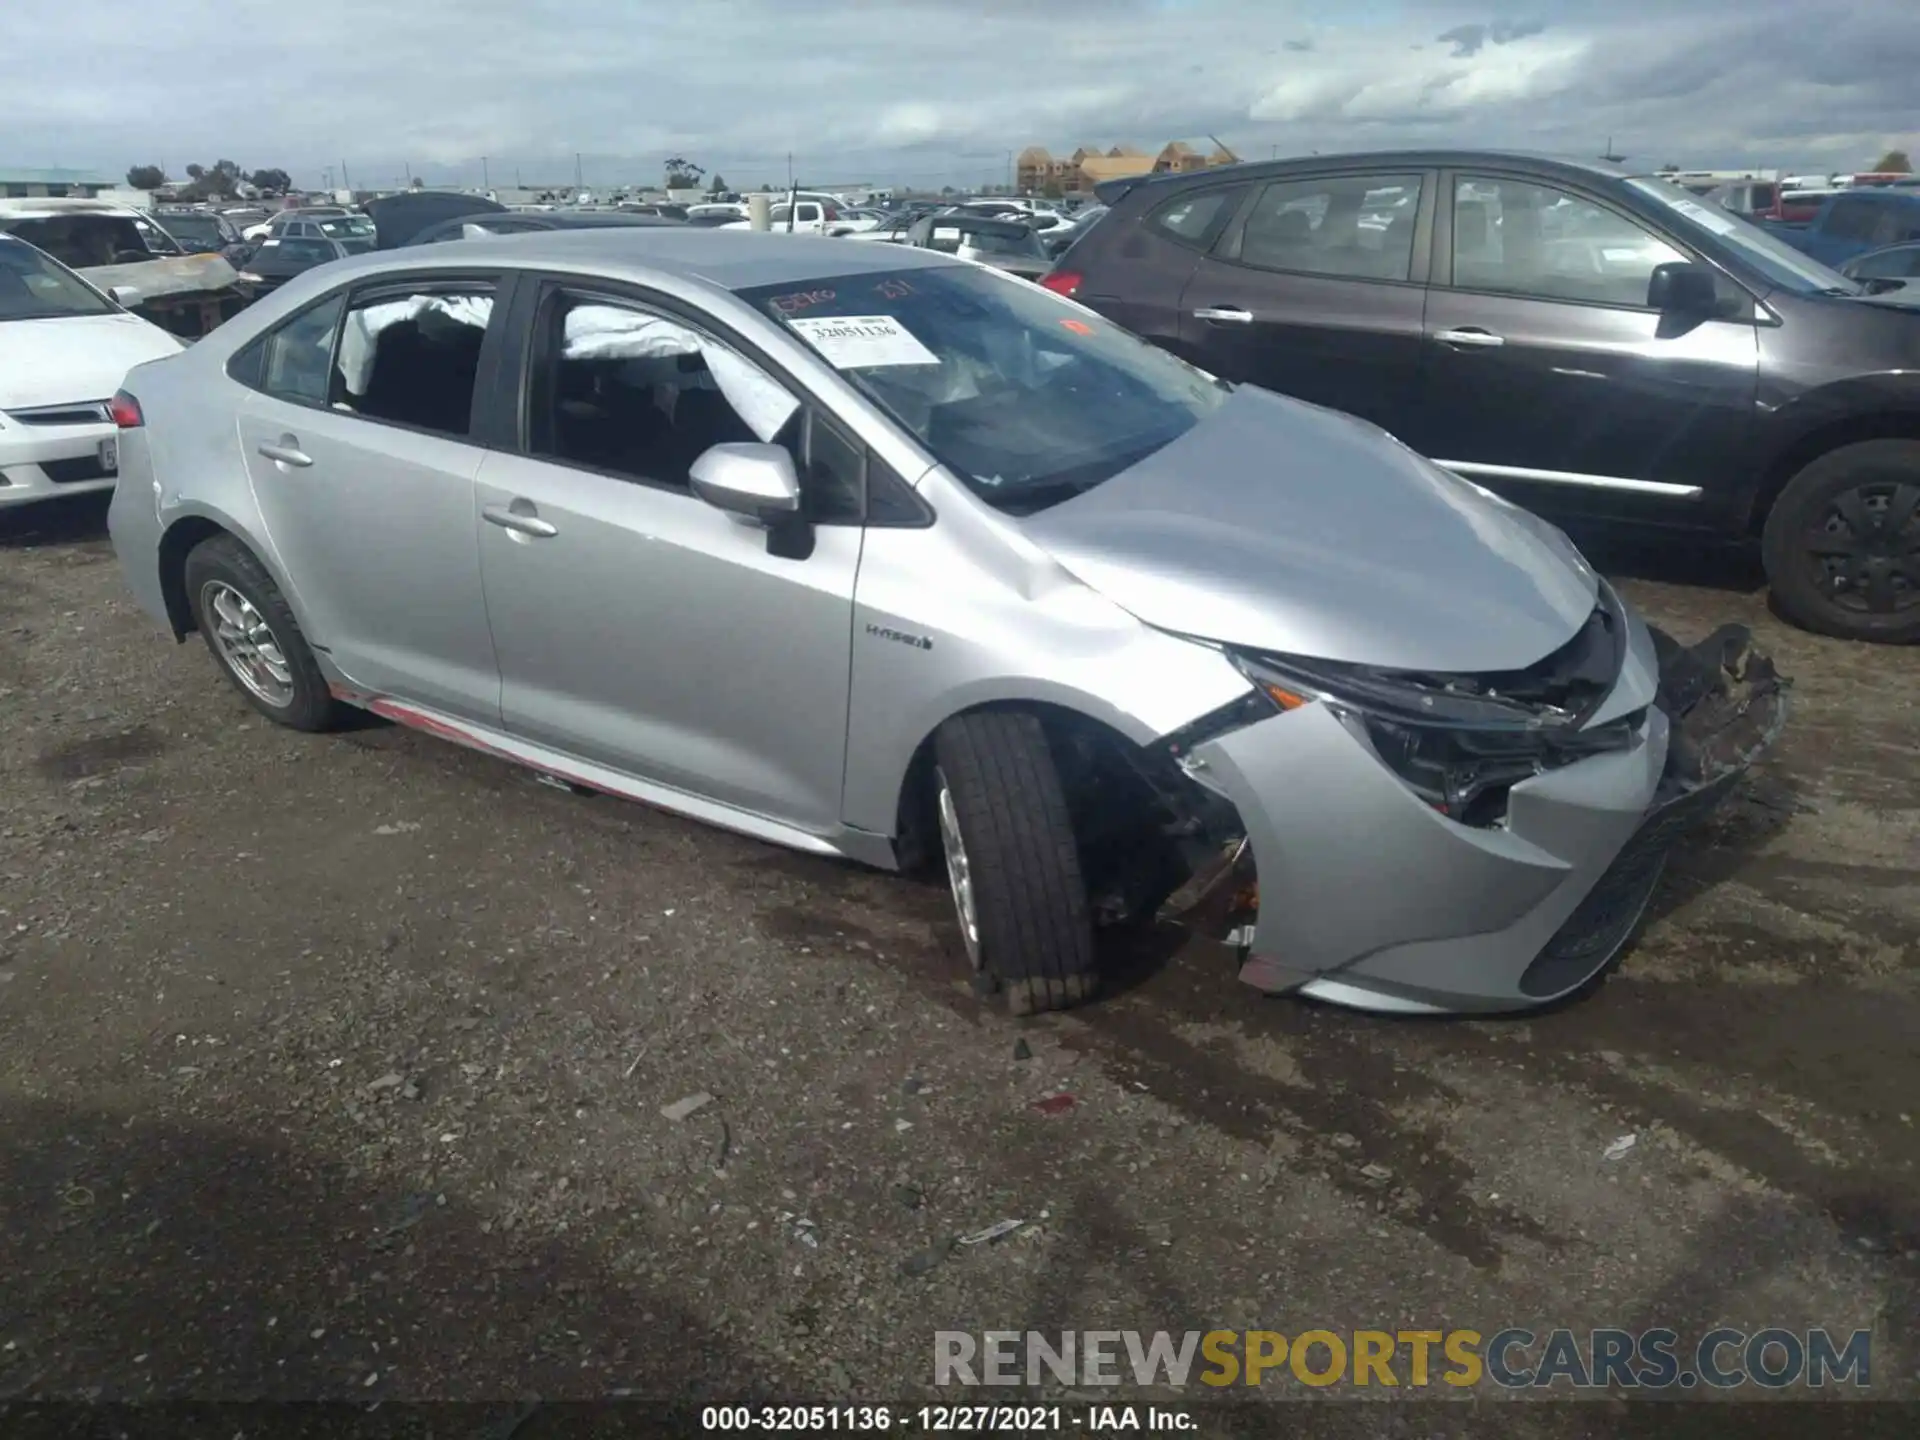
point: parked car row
(1599, 345)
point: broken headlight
(1461, 742)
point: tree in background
(683, 174)
(1894, 162)
(146, 177)
(717, 186)
(271, 182)
(217, 183)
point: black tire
(223, 560)
(1829, 593)
(1035, 927)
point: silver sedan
(884, 555)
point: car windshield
(347, 227)
(1027, 397)
(1783, 265)
(32, 287)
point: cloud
(935, 91)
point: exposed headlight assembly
(1459, 742)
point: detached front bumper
(1370, 897)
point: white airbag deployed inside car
(608, 332)
(357, 339)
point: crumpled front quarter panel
(968, 612)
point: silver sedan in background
(879, 554)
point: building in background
(1039, 172)
(18, 184)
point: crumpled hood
(1280, 526)
(73, 358)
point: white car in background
(811, 215)
(64, 349)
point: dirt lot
(335, 1067)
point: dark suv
(1594, 343)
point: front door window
(1513, 237)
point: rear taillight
(124, 410)
(1062, 282)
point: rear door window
(412, 357)
(1353, 226)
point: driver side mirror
(752, 481)
(1682, 287)
(123, 295)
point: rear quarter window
(1196, 219)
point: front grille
(71, 472)
(79, 412)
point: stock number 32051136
(797, 1419)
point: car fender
(1004, 624)
(179, 516)
(1798, 429)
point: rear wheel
(1842, 543)
(1012, 862)
(247, 625)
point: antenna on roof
(1610, 157)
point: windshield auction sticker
(860, 342)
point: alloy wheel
(1865, 549)
(246, 643)
(959, 871)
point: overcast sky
(935, 91)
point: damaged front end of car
(1507, 830)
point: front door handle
(1472, 336)
(1227, 314)
(521, 518)
(287, 451)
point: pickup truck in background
(1852, 222)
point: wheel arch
(913, 822)
(187, 528)
(1889, 421)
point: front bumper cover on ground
(1369, 898)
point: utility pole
(329, 175)
(1013, 185)
(407, 165)
(789, 173)
(485, 183)
(345, 183)
(578, 183)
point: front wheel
(1842, 544)
(1012, 861)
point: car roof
(1541, 162)
(731, 259)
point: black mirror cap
(1682, 287)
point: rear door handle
(1473, 336)
(1226, 314)
(287, 451)
(521, 518)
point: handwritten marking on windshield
(801, 300)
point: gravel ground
(336, 1067)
